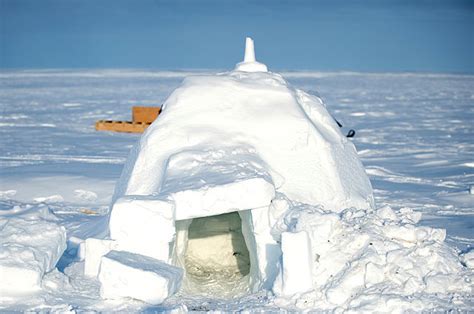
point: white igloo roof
(241, 125)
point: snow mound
(368, 260)
(30, 246)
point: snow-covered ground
(415, 137)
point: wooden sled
(142, 117)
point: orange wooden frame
(142, 117)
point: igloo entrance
(213, 252)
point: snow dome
(246, 184)
(206, 185)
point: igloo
(205, 188)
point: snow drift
(365, 260)
(31, 244)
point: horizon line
(183, 71)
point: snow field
(413, 135)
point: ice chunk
(137, 220)
(28, 249)
(342, 289)
(297, 263)
(386, 213)
(443, 283)
(374, 274)
(124, 274)
(94, 250)
(410, 216)
(411, 234)
(468, 258)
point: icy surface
(414, 136)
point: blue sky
(370, 35)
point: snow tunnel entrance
(216, 258)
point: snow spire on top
(249, 50)
(250, 64)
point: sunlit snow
(414, 135)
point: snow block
(297, 263)
(125, 274)
(242, 195)
(28, 249)
(208, 183)
(137, 221)
(264, 251)
(94, 250)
